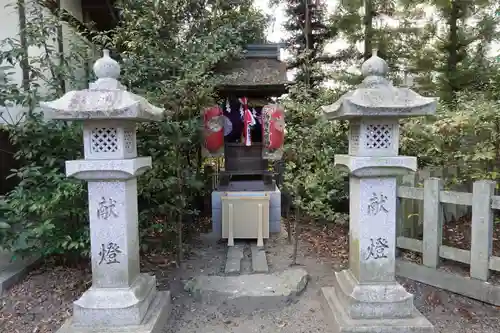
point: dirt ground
(42, 301)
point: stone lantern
(366, 297)
(120, 298)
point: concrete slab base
(259, 260)
(245, 258)
(340, 322)
(155, 320)
(233, 259)
(249, 292)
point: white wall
(74, 7)
(73, 41)
(9, 28)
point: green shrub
(314, 184)
(168, 50)
(46, 211)
(466, 137)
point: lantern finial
(107, 67)
(375, 66)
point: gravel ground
(41, 302)
(449, 313)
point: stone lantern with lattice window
(374, 110)
(109, 113)
(121, 298)
(366, 297)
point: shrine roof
(258, 72)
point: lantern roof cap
(106, 98)
(377, 97)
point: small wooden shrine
(247, 128)
(250, 130)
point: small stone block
(233, 260)
(340, 322)
(275, 213)
(249, 292)
(12, 272)
(216, 200)
(155, 320)
(217, 222)
(275, 200)
(275, 226)
(259, 260)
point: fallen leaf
(433, 299)
(465, 313)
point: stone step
(248, 293)
(245, 258)
(12, 272)
(233, 259)
(246, 263)
(259, 260)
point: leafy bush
(466, 137)
(168, 50)
(46, 211)
(315, 185)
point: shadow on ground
(41, 302)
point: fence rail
(412, 209)
(479, 257)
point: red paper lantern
(213, 122)
(273, 126)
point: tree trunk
(179, 217)
(368, 22)
(453, 46)
(180, 208)
(289, 229)
(296, 237)
(180, 256)
(289, 226)
(309, 40)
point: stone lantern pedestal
(366, 297)
(121, 299)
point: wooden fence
(479, 258)
(412, 210)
